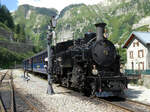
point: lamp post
(51, 28)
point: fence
(137, 72)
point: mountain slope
(122, 17)
(35, 21)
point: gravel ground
(65, 100)
(138, 93)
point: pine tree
(6, 18)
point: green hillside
(11, 35)
(122, 17)
(119, 15)
(119, 18)
(35, 22)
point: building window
(137, 43)
(134, 44)
(131, 54)
(140, 53)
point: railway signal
(51, 28)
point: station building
(138, 53)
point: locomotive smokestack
(100, 31)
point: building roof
(143, 37)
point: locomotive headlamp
(46, 59)
(59, 59)
(94, 70)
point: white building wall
(148, 58)
(136, 60)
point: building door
(132, 65)
(141, 66)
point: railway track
(127, 105)
(2, 76)
(123, 104)
(10, 99)
(132, 101)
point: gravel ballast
(65, 100)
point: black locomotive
(90, 64)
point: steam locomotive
(90, 64)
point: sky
(57, 4)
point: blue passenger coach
(36, 63)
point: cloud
(57, 4)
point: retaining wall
(17, 47)
(6, 34)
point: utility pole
(51, 28)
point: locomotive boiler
(90, 64)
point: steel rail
(117, 106)
(2, 108)
(13, 103)
(137, 102)
(22, 97)
(2, 78)
(26, 101)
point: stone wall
(6, 34)
(17, 47)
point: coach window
(33, 59)
(41, 59)
(38, 59)
(44, 58)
